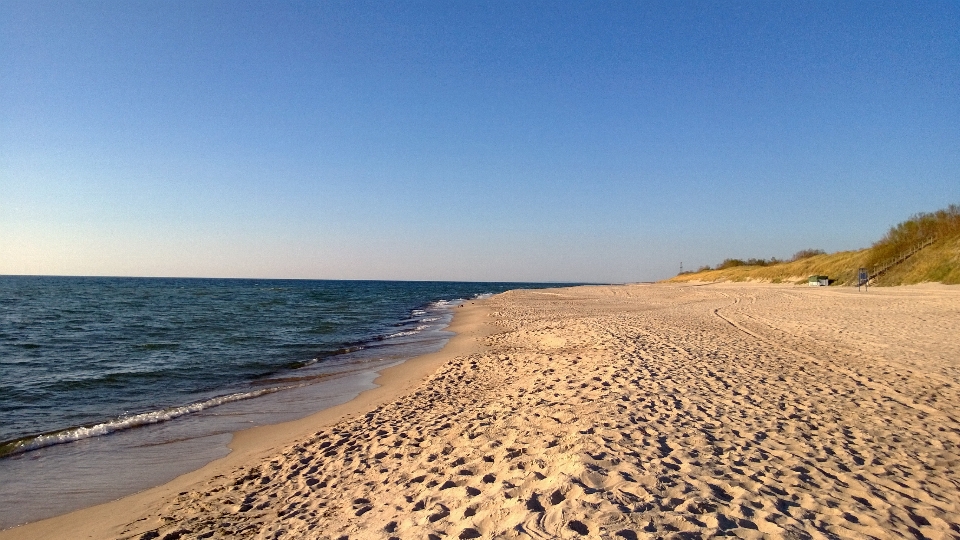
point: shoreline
(631, 411)
(250, 445)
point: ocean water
(112, 385)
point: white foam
(127, 422)
(416, 330)
(404, 333)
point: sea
(109, 386)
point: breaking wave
(33, 442)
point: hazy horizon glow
(492, 141)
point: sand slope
(636, 412)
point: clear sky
(503, 140)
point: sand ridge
(635, 412)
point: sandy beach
(636, 411)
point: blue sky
(466, 140)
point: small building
(818, 281)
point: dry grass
(941, 224)
(937, 263)
(841, 267)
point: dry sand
(639, 411)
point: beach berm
(635, 411)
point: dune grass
(841, 267)
(939, 262)
(941, 224)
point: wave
(416, 330)
(297, 379)
(431, 308)
(98, 380)
(425, 318)
(34, 442)
(302, 363)
(448, 304)
(401, 334)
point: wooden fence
(882, 268)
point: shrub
(730, 263)
(763, 262)
(918, 228)
(806, 254)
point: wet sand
(639, 411)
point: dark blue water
(84, 361)
(85, 351)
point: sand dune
(632, 412)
